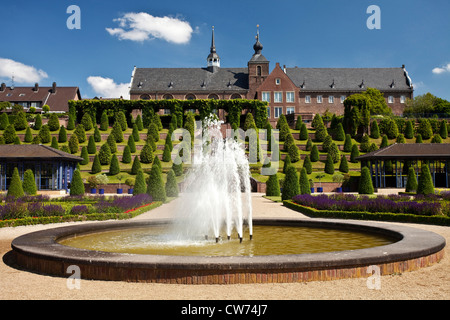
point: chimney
(284, 68)
(3, 87)
(54, 87)
(36, 87)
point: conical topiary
(365, 182)
(156, 186)
(140, 187)
(291, 185)
(126, 157)
(114, 167)
(76, 185)
(136, 165)
(96, 165)
(171, 184)
(304, 182)
(273, 186)
(29, 183)
(15, 188)
(411, 183)
(425, 185)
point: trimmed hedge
(379, 216)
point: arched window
(145, 97)
(258, 70)
(167, 97)
(235, 96)
(190, 96)
(213, 96)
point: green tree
(374, 130)
(365, 143)
(126, 157)
(309, 144)
(114, 166)
(298, 123)
(348, 144)
(104, 121)
(425, 129)
(411, 182)
(139, 123)
(419, 138)
(365, 182)
(131, 144)
(135, 133)
(91, 147)
(303, 132)
(44, 134)
(343, 166)
(140, 187)
(54, 143)
(73, 143)
(314, 157)
(321, 132)
(289, 140)
(354, 154)
(76, 185)
(97, 135)
(80, 133)
(166, 154)
(339, 134)
(171, 184)
(28, 135)
(96, 165)
(20, 123)
(84, 155)
(157, 162)
(294, 153)
(120, 117)
(327, 143)
(425, 185)
(401, 138)
(384, 142)
(304, 182)
(86, 121)
(29, 183)
(291, 185)
(136, 165)
(153, 132)
(249, 122)
(104, 154)
(71, 122)
(53, 122)
(62, 135)
(15, 188)
(287, 163)
(273, 186)
(111, 141)
(307, 165)
(409, 130)
(443, 131)
(117, 132)
(155, 186)
(146, 155)
(329, 164)
(4, 121)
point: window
(343, 99)
(307, 99)
(277, 81)
(330, 99)
(36, 104)
(166, 111)
(167, 97)
(266, 96)
(290, 110)
(390, 99)
(319, 99)
(278, 97)
(290, 96)
(22, 95)
(402, 99)
(235, 96)
(268, 112)
(213, 96)
(278, 111)
(145, 97)
(190, 97)
(258, 70)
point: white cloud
(21, 72)
(442, 69)
(107, 88)
(143, 26)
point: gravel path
(427, 283)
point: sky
(95, 44)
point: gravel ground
(427, 283)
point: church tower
(213, 60)
(258, 68)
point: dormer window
(277, 81)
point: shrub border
(363, 215)
(85, 217)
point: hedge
(379, 216)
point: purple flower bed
(122, 204)
(366, 204)
(21, 209)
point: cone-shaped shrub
(287, 163)
(28, 135)
(307, 165)
(104, 121)
(62, 135)
(81, 133)
(146, 155)
(117, 132)
(44, 134)
(171, 184)
(294, 153)
(419, 138)
(443, 130)
(122, 119)
(339, 134)
(131, 144)
(314, 157)
(73, 143)
(178, 168)
(86, 121)
(9, 134)
(273, 186)
(327, 143)
(409, 130)
(104, 154)
(84, 155)
(96, 165)
(288, 142)
(21, 123)
(354, 154)
(15, 188)
(303, 132)
(156, 186)
(401, 138)
(140, 187)
(365, 143)
(111, 141)
(91, 147)
(411, 183)
(329, 164)
(4, 121)
(77, 185)
(166, 154)
(365, 182)
(136, 165)
(309, 145)
(298, 123)
(126, 157)
(114, 167)
(156, 162)
(291, 185)
(343, 166)
(348, 144)
(135, 133)
(374, 130)
(139, 123)
(384, 142)
(425, 184)
(70, 123)
(97, 135)
(436, 139)
(29, 183)
(425, 129)
(304, 182)
(335, 153)
(153, 132)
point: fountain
(216, 204)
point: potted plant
(339, 178)
(311, 185)
(102, 180)
(130, 183)
(120, 177)
(320, 176)
(93, 183)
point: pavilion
(387, 165)
(53, 169)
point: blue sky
(115, 36)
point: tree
(294, 153)
(365, 182)
(91, 147)
(339, 133)
(120, 117)
(135, 133)
(117, 132)
(29, 183)
(76, 185)
(136, 165)
(156, 186)
(425, 185)
(54, 143)
(104, 154)
(114, 167)
(140, 187)
(249, 122)
(291, 185)
(411, 182)
(303, 132)
(73, 143)
(348, 144)
(298, 123)
(384, 142)
(166, 154)
(327, 143)
(97, 135)
(289, 140)
(425, 129)
(96, 165)
(354, 154)
(443, 131)
(307, 165)
(365, 143)
(157, 163)
(171, 184)
(343, 166)
(21, 123)
(321, 132)
(287, 163)
(146, 155)
(53, 122)
(62, 135)
(314, 157)
(329, 164)
(4, 121)
(309, 144)
(273, 186)
(374, 130)
(111, 141)
(28, 135)
(284, 131)
(126, 157)
(80, 133)
(153, 132)
(71, 122)
(44, 134)
(401, 138)
(104, 121)
(131, 144)
(15, 188)
(139, 123)
(419, 138)
(86, 121)
(409, 130)
(304, 182)
(168, 141)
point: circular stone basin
(406, 249)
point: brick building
(304, 91)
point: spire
(257, 46)
(213, 60)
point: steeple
(213, 60)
